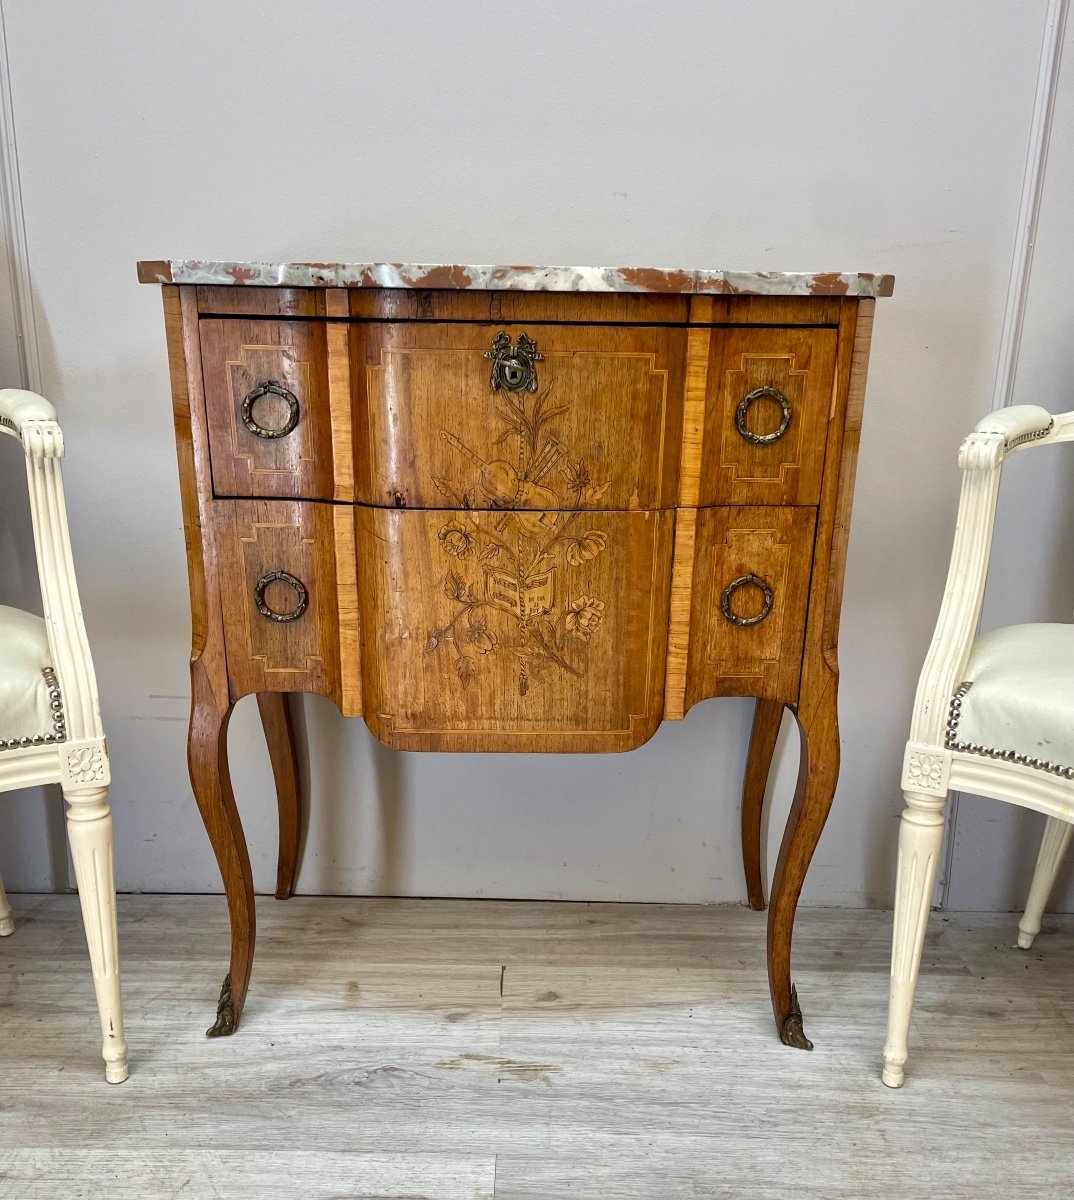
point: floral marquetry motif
(525, 594)
(594, 422)
(499, 630)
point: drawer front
(750, 595)
(514, 631)
(266, 399)
(769, 396)
(518, 416)
(288, 592)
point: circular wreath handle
(269, 389)
(300, 592)
(762, 393)
(741, 582)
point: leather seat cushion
(1022, 694)
(25, 709)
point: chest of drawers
(515, 509)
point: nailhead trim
(1034, 435)
(951, 741)
(59, 721)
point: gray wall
(786, 136)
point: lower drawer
(511, 630)
(750, 594)
(288, 591)
(517, 631)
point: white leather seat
(27, 682)
(1016, 701)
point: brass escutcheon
(513, 367)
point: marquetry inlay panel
(259, 538)
(799, 364)
(774, 545)
(599, 427)
(241, 356)
(513, 631)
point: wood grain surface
(256, 538)
(817, 711)
(514, 631)
(601, 428)
(767, 719)
(275, 711)
(799, 364)
(489, 1050)
(239, 357)
(597, 308)
(763, 660)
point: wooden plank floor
(442, 1050)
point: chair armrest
(32, 420)
(981, 458)
(17, 407)
(1019, 424)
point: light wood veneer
(650, 509)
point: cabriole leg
(211, 781)
(818, 774)
(920, 842)
(7, 921)
(766, 722)
(89, 831)
(1053, 847)
(275, 711)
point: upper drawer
(269, 417)
(767, 403)
(517, 416)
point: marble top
(522, 279)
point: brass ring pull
(732, 587)
(283, 577)
(269, 389)
(762, 393)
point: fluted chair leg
(920, 842)
(89, 830)
(1053, 846)
(7, 922)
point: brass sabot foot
(792, 1033)
(225, 1012)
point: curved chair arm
(981, 457)
(1019, 425)
(32, 420)
(17, 408)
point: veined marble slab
(522, 279)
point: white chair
(993, 715)
(50, 721)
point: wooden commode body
(515, 509)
